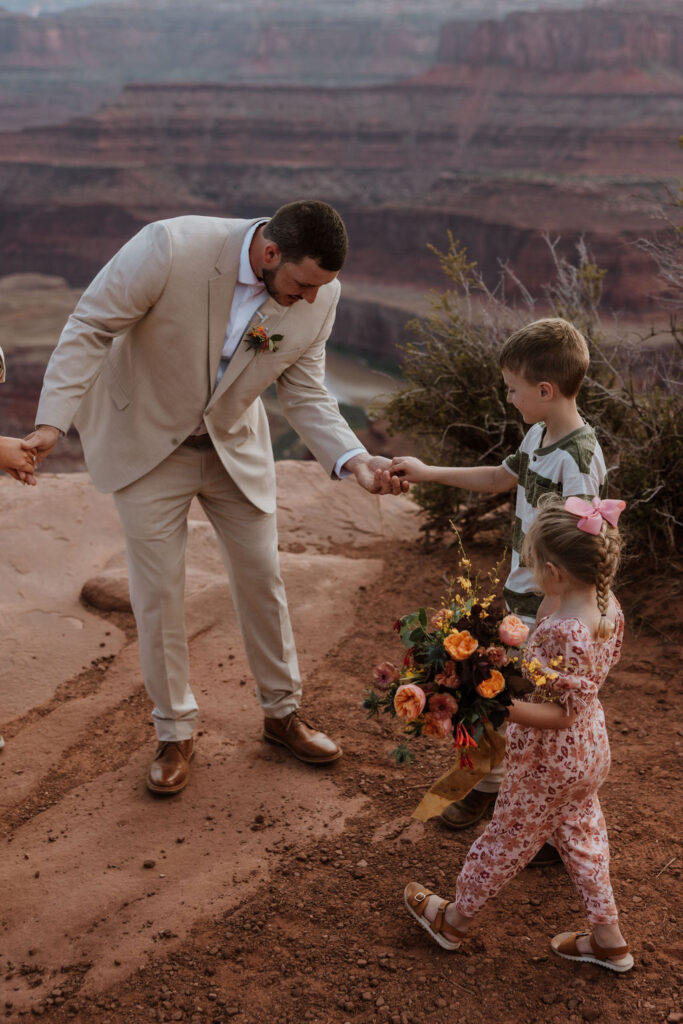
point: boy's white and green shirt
(573, 465)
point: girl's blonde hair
(593, 559)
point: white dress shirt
(250, 294)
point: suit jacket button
(174, 440)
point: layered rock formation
(68, 63)
(498, 143)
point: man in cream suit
(160, 367)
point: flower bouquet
(460, 672)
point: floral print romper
(552, 777)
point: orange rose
(409, 701)
(461, 645)
(492, 686)
(512, 631)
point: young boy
(543, 366)
(15, 459)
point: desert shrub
(453, 399)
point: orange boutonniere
(259, 339)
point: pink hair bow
(591, 516)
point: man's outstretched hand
(42, 440)
(373, 473)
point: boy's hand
(17, 461)
(411, 469)
(373, 473)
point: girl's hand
(410, 469)
(19, 462)
(541, 716)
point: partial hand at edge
(372, 472)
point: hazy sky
(449, 8)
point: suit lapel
(269, 316)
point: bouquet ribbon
(457, 782)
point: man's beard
(268, 277)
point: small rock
(591, 1014)
(148, 863)
(108, 592)
(366, 996)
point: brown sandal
(416, 897)
(565, 945)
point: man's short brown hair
(551, 349)
(309, 228)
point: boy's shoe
(465, 812)
(545, 858)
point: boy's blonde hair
(552, 350)
(590, 558)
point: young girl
(557, 753)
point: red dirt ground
(300, 917)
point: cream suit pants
(153, 511)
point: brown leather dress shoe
(301, 739)
(170, 768)
(467, 811)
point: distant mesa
(29, 282)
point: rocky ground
(269, 891)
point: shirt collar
(245, 275)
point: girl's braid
(607, 568)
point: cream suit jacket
(136, 363)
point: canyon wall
(510, 135)
(69, 63)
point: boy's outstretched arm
(16, 460)
(486, 479)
